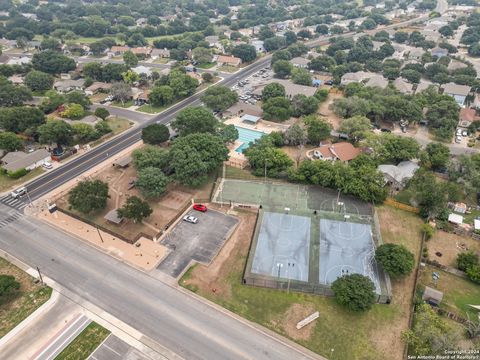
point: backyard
(338, 333)
(18, 306)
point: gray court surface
(283, 247)
(346, 248)
(199, 242)
(115, 349)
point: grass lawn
(17, 307)
(7, 182)
(242, 174)
(457, 292)
(124, 105)
(371, 335)
(118, 125)
(206, 65)
(229, 69)
(161, 61)
(98, 97)
(85, 343)
(152, 109)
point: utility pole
(40, 276)
(99, 234)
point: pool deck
(262, 125)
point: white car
(191, 219)
(47, 165)
(458, 139)
(19, 192)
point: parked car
(191, 219)
(329, 82)
(200, 207)
(47, 165)
(458, 139)
(19, 192)
(464, 133)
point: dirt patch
(297, 153)
(296, 313)
(449, 246)
(325, 110)
(209, 278)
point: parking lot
(244, 88)
(115, 349)
(200, 242)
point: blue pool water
(247, 136)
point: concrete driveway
(200, 242)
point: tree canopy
(155, 134)
(52, 62)
(152, 182)
(89, 196)
(219, 98)
(395, 259)
(195, 120)
(135, 209)
(356, 292)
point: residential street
(166, 316)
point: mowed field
(338, 333)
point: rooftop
(455, 89)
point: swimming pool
(247, 136)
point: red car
(200, 207)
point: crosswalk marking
(17, 204)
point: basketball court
(346, 248)
(282, 248)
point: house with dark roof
(17, 160)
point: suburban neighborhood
(240, 180)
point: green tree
(277, 109)
(435, 156)
(245, 52)
(356, 127)
(195, 120)
(356, 292)
(12, 95)
(194, 156)
(202, 55)
(150, 156)
(322, 63)
(73, 111)
(268, 158)
(38, 81)
(273, 90)
(52, 62)
(161, 95)
(395, 259)
(207, 77)
(219, 98)
(317, 129)
(21, 119)
(102, 113)
(9, 141)
(152, 182)
(301, 77)
(135, 209)
(295, 135)
(466, 260)
(228, 133)
(55, 131)
(430, 335)
(130, 59)
(89, 196)
(52, 101)
(121, 91)
(78, 97)
(155, 134)
(182, 84)
(473, 273)
(282, 68)
(8, 285)
(304, 105)
(84, 133)
(130, 77)
(389, 148)
(446, 31)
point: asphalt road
(186, 326)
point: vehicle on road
(19, 192)
(47, 165)
(200, 207)
(191, 219)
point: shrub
(396, 260)
(356, 292)
(466, 260)
(17, 174)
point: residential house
(397, 176)
(16, 79)
(141, 97)
(65, 86)
(456, 65)
(377, 45)
(141, 21)
(291, 89)
(403, 86)
(7, 44)
(142, 51)
(213, 40)
(140, 69)
(258, 45)
(19, 60)
(241, 108)
(343, 151)
(439, 52)
(431, 35)
(300, 62)
(229, 60)
(160, 53)
(466, 117)
(377, 80)
(415, 54)
(97, 87)
(458, 92)
(355, 77)
(17, 160)
(118, 50)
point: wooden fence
(401, 206)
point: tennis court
(282, 248)
(346, 248)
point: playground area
(306, 237)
